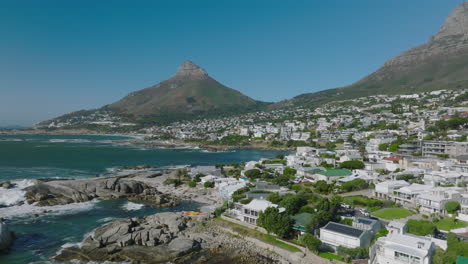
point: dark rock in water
(137, 167)
(6, 237)
(82, 190)
(7, 185)
(153, 239)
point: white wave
(11, 139)
(30, 209)
(130, 206)
(16, 194)
(105, 220)
(72, 140)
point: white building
(434, 200)
(402, 249)
(335, 235)
(249, 213)
(385, 189)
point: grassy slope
(447, 224)
(392, 213)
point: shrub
(352, 165)
(310, 242)
(353, 253)
(354, 185)
(209, 184)
(452, 207)
(246, 201)
(253, 174)
(192, 184)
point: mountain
(190, 93)
(441, 63)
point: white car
(345, 205)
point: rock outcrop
(153, 239)
(6, 237)
(82, 190)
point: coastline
(139, 139)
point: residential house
(249, 213)
(434, 201)
(384, 190)
(332, 175)
(335, 235)
(408, 195)
(402, 249)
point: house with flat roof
(367, 224)
(248, 213)
(407, 195)
(385, 189)
(434, 201)
(332, 175)
(335, 235)
(402, 248)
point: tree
(310, 242)
(275, 222)
(253, 174)
(274, 198)
(323, 187)
(440, 257)
(383, 147)
(293, 203)
(452, 207)
(354, 185)
(352, 165)
(289, 172)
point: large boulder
(152, 239)
(82, 190)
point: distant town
(379, 178)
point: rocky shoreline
(168, 237)
(60, 192)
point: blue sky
(61, 56)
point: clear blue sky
(61, 56)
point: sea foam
(30, 209)
(130, 206)
(16, 194)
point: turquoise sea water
(38, 156)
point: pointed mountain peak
(191, 71)
(456, 25)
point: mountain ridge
(441, 63)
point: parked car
(345, 205)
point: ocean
(26, 157)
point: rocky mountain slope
(441, 63)
(190, 90)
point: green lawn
(331, 256)
(448, 224)
(269, 239)
(392, 213)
